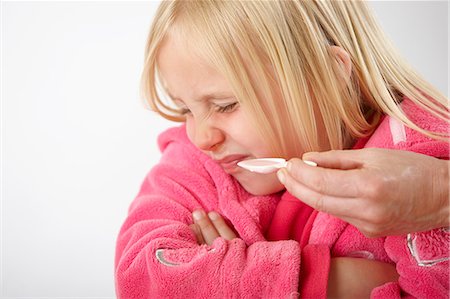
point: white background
(77, 140)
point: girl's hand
(209, 227)
(381, 192)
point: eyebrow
(205, 97)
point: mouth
(229, 163)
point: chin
(261, 184)
(262, 192)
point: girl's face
(215, 122)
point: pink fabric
(415, 142)
(314, 271)
(157, 255)
(289, 220)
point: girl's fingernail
(310, 163)
(281, 176)
(198, 214)
(213, 216)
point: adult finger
(355, 211)
(332, 182)
(207, 228)
(337, 159)
(338, 206)
(222, 228)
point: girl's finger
(206, 227)
(198, 234)
(222, 228)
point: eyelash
(221, 109)
(227, 108)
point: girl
(257, 79)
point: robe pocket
(430, 247)
(178, 257)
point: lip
(229, 163)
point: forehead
(184, 73)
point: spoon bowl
(263, 165)
(267, 165)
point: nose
(206, 136)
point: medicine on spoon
(267, 165)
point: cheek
(241, 131)
(255, 145)
(190, 128)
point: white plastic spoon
(267, 165)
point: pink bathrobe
(157, 255)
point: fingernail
(213, 216)
(281, 176)
(288, 166)
(306, 155)
(198, 214)
(310, 163)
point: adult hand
(381, 192)
(209, 227)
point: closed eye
(218, 108)
(227, 108)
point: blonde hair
(287, 44)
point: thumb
(336, 159)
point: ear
(345, 63)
